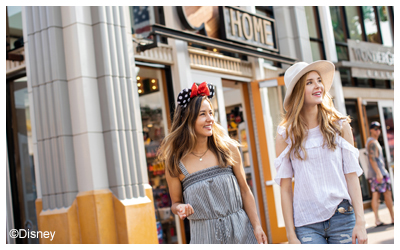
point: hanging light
(153, 84)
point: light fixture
(138, 78)
(215, 50)
(140, 91)
(149, 125)
(153, 85)
(139, 84)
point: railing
(13, 66)
(199, 59)
(216, 62)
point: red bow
(201, 90)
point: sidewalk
(382, 234)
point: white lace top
(320, 183)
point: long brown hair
(295, 124)
(182, 138)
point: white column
(50, 113)
(84, 100)
(292, 31)
(331, 55)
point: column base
(98, 217)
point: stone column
(89, 152)
(293, 36)
(331, 55)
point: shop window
(380, 83)
(354, 23)
(22, 169)
(372, 114)
(311, 21)
(385, 26)
(388, 116)
(363, 82)
(352, 111)
(345, 76)
(342, 53)
(337, 24)
(314, 31)
(234, 106)
(317, 51)
(14, 34)
(371, 29)
(154, 109)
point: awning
(158, 31)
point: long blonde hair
(182, 138)
(295, 124)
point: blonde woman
(314, 144)
(205, 176)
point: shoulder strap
(183, 169)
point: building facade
(91, 93)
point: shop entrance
(382, 112)
(268, 98)
(232, 110)
(156, 120)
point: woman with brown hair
(315, 145)
(205, 176)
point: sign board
(374, 57)
(248, 28)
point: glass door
(267, 96)
(22, 169)
(386, 109)
(272, 96)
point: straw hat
(324, 68)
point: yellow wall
(99, 217)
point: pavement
(383, 234)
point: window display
(153, 109)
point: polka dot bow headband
(204, 89)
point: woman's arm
(175, 191)
(249, 204)
(286, 196)
(353, 185)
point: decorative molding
(161, 54)
(216, 62)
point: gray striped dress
(218, 218)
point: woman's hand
(360, 233)
(260, 235)
(294, 240)
(184, 210)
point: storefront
(21, 183)
(230, 67)
(156, 120)
(369, 76)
